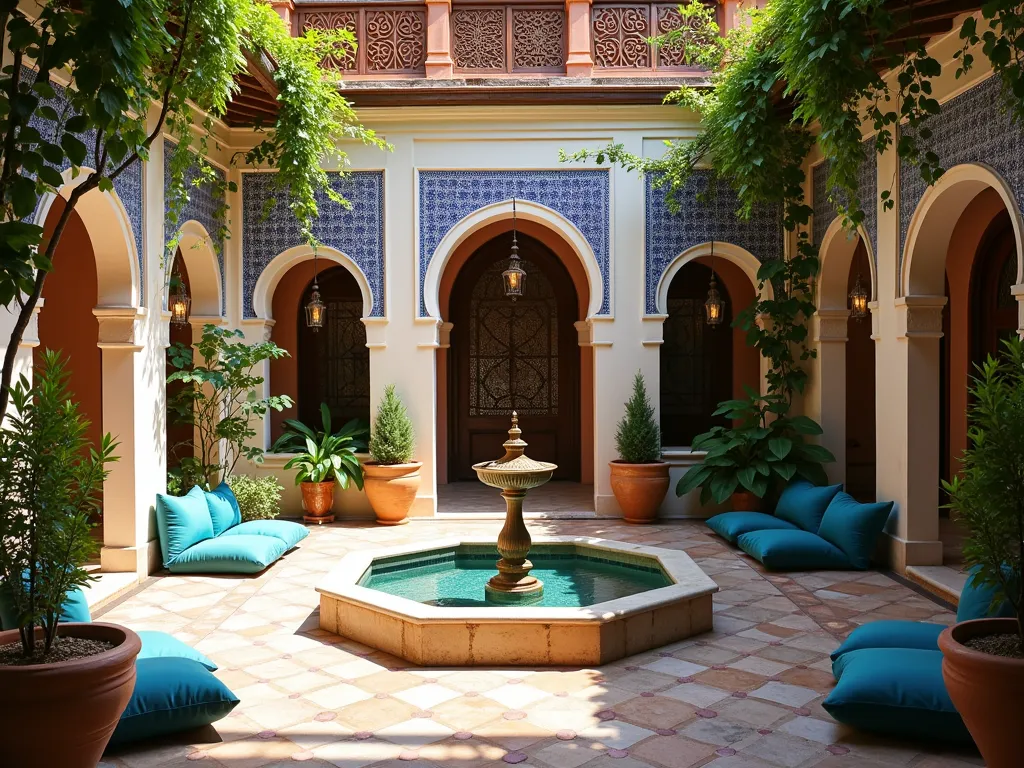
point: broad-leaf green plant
(763, 449)
(221, 399)
(638, 437)
(51, 478)
(987, 496)
(322, 455)
(392, 440)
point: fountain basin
(604, 600)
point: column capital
(119, 326)
(439, 64)
(285, 9)
(831, 325)
(919, 317)
(579, 62)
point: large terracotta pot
(639, 489)
(63, 714)
(318, 501)
(745, 501)
(986, 690)
(391, 490)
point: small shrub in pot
(639, 479)
(392, 477)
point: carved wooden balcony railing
(508, 38)
(620, 34)
(392, 38)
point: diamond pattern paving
(747, 695)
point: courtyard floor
(747, 695)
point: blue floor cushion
(285, 530)
(731, 525)
(919, 635)
(182, 521)
(224, 508)
(171, 695)
(854, 527)
(804, 504)
(976, 600)
(792, 550)
(75, 608)
(895, 691)
(229, 554)
(160, 645)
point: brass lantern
(714, 307)
(858, 300)
(180, 303)
(315, 309)
(514, 277)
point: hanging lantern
(714, 307)
(858, 300)
(180, 303)
(315, 309)
(514, 277)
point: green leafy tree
(138, 69)
(638, 438)
(392, 440)
(323, 455)
(987, 496)
(259, 498)
(220, 398)
(51, 479)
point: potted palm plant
(983, 659)
(78, 675)
(639, 478)
(392, 477)
(322, 458)
(762, 449)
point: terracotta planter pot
(391, 490)
(63, 714)
(318, 500)
(745, 501)
(986, 690)
(639, 489)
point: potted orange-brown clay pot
(391, 490)
(639, 489)
(745, 501)
(318, 501)
(987, 690)
(63, 713)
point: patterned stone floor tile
(784, 750)
(673, 751)
(759, 714)
(415, 733)
(568, 754)
(616, 734)
(781, 693)
(696, 694)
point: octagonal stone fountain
(581, 601)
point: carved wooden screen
(503, 39)
(392, 39)
(620, 34)
(513, 346)
(334, 363)
(696, 359)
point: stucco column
(134, 413)
(580, 62)
(827, 403)
(439, 39)
(285, 9)
(914, 391)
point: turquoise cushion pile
(204, 533)
(813, 528)
(889, 673)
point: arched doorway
(696, 358)
(334, 363)
(506, 355)
(180, 432)
(860, 388)
(993, 305)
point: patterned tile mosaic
(867, 188)
(582, 197)
(700, 221)
(128, 185)
(358, 232)
(971, 128)
(201, 206)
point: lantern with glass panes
(514, 277)
(858, 300)
(315, 309)
(179, 302)
(714, 307)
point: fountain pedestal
(515, 474)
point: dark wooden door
(994, 307)
(506, 356)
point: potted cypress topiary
(391, 478)
(983, 659)
(639, 477)
(63, 686)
